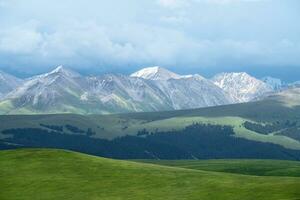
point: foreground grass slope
(56, 174)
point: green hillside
(56, 174)
(268, 129)
(268, 112)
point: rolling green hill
(56, 174)
(112, 126)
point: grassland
(112, 126)
(56, 174)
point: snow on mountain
(61, 71)
(123, 93)
(241, 86)
(275, 83)
(138, 94)
(150, 89)
(184, 91)
(48, 90)
(155, 73)
(193, 92)
(63, 90)
(195, 76)
(8, 83)
(162, 74)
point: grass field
(57, 174)
(118, 125)
(112, 126)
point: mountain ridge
(63, 90)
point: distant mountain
(184, 91)
(275, 83)
(53, 91)
(8, 83)
(241, 86)
(119, 93)
(193, 92)
(65, 91)
(150, 89)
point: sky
(261, 37)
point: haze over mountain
(289, 97)
(150, 89)
(275, 83)
(7, 83)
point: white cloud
(137, 44)
(178, 33)
(134, 43)
(22, 39)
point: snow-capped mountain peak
(61, 70)
(224, 78)
(155, 73)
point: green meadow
(57, 174)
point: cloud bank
(189, 34)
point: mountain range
(150, 89)
(266, 127)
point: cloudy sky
(261, 37)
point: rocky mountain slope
(241, 86)
(150, 89)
